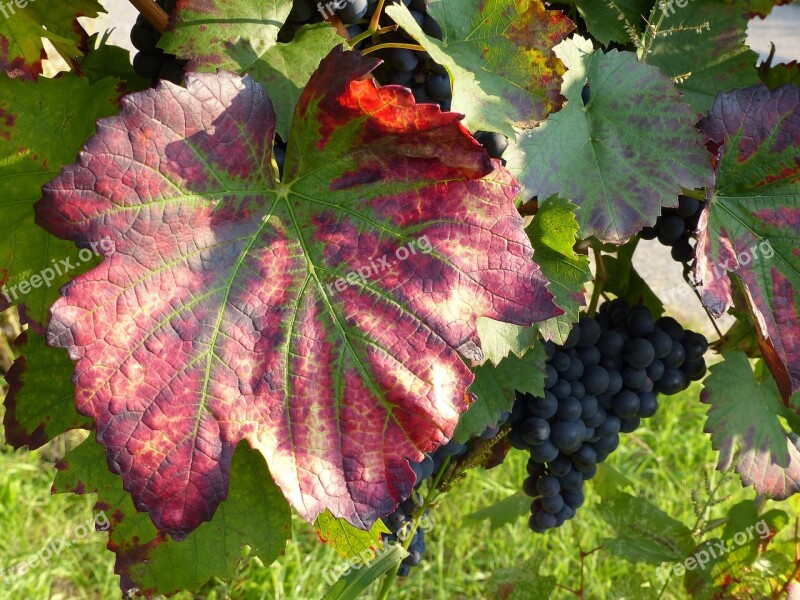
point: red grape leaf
(752, 224)
(745, 427)
(233, 307)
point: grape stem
(711, 318)
(365, 34)
(600, 279)
(415, 47)
(154, 14)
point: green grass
(666, 459)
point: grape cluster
(428, 81)
(676, 227)
(601, 382)
(151, 62)
(400, 521)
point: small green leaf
(744, 424)
(615, 20)
(494, 388)
(356, 580)
(498, 339)
(553, 233)
(40, 403)
(349, 541)
(626, 283)
(507, 510)
(644, 532)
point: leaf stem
(415, 47)
(700, 298)
(600, 279)
(151, 11)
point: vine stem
(700, 298)
(600, 279)
(415, 47)
(151, 11)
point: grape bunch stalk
(601, 382)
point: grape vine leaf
(745, 428)
(242, 36)
(625, 282)
(40, 402)
(553, 232)
(494, 389)
(645, 533)
(499, 54)
(349, 541)
(102, 59)
(319, 317)
(705, 49)
(508, 510)
(42, 128)
(614, 21)
(255, 514)
(499, 339)
(633, 145)
(775, 76)
(23, 27)
(752, 225)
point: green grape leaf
(622, 156)
(702, 46)
(103, 60)
(23, 24)
(349, 541)
(499, 339)
(743, 420)
(614, 20)
(499, 54)
(644, 532)
(751, 227)
(242, 36)
(254, 514)
(553, 232)
(40, 402)
(494, 388)
(508, 510)
(626, 283)
(42, 128)
(523, 582)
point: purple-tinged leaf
(752, 224)
(320, 317)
